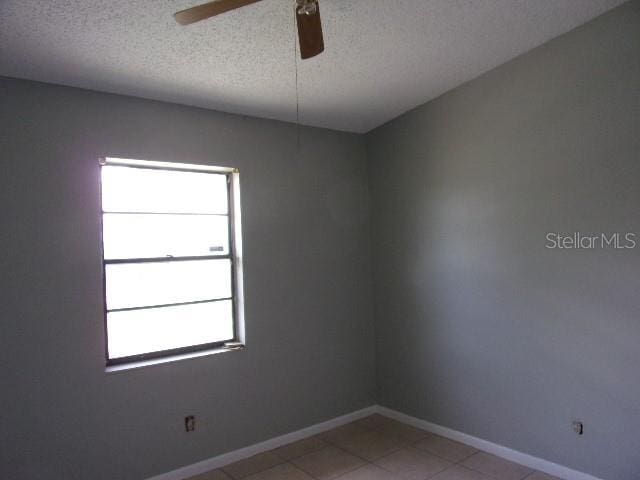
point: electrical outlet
(190, 423)
(578, 427)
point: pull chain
(295, 62)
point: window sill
(170, 358)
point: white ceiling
(382, 57)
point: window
(171, 242)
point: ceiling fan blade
(211, 9)
(309, 33)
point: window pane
(162, 283)
(142, 331)
(128, 189)
(145, 236)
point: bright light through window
(170, 258)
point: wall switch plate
(190, 423)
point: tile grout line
(329, 444)
(402, 445)
(413, 445)
(489, 476)
(460, 462)
(407, 444)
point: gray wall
(480, 327)
(307, 288)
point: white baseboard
(490, 447)
(234, 456)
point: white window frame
(234, 255)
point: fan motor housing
(307, 7)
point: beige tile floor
(374, 448)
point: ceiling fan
(307, 19)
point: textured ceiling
(382, 57)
